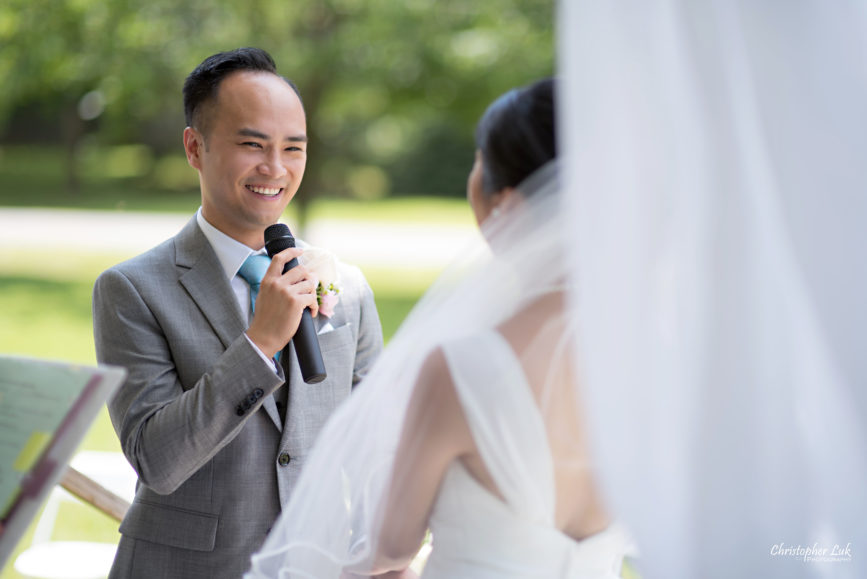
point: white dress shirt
(232, 254)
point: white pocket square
(326, 328)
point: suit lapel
(207, 285)
(271, 409)
(290, 368)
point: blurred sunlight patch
(368, 183)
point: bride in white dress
(471, 425)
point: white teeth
(269, 191)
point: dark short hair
(516, 135)
(201, 86)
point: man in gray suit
(216, 429)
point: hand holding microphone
(299, 291)
(279, 304)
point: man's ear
(194, 143)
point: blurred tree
(392, 89)
(77, 59)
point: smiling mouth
(266, 191)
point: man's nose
(273, 165)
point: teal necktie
(253, 270)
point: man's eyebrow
(252, 133)
(259, 135)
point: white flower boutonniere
(323, 264)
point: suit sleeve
(167, 431)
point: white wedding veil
(718, 155)
(332, 520)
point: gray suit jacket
(196, 417)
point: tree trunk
(73, 130)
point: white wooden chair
(48, 559)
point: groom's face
(250, 154)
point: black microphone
(277, 238)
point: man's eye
(252, 144)
(294, 149)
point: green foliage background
(392, 89)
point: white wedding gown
(475, 533)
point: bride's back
(541, 342)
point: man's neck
(255, 240)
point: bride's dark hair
(516, 135)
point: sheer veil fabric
(332, 521)
(717, 153)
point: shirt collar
(230, 252)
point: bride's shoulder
(435, 408)
(434, 369)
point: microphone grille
(277, 231)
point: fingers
(296, 282)
(281, 259)
(304, 285)
(314, 306)
(314, 309)
(305, 292)
(294, 275)
(296, 289)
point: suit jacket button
(258, 393)
(239, 410)
(283, 459)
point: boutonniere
(323, 264)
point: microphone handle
(307, 343)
